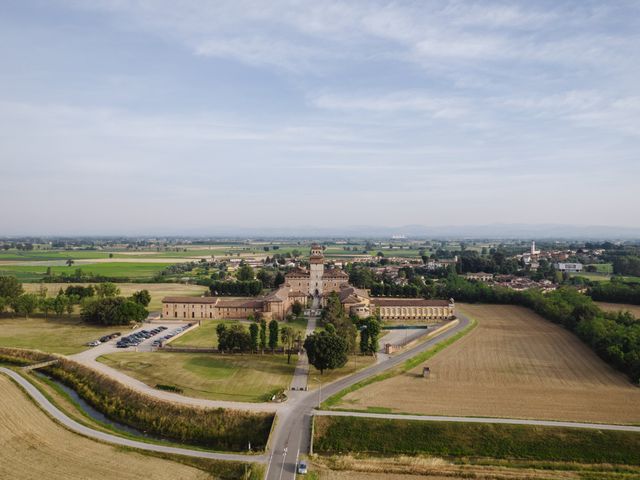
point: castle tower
(316, 270)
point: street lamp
(319, 390)
(355, 368)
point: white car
(302, 468)
(95, 343)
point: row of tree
(616, 291)
(98, 304)
(260, 337)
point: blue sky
(156, 116)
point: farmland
(243, 378)
(132, 270)
(54, 335)
(157, 290)
(517, 365)
(616, 307)
(34, 447)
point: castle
(309, 286)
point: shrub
(218, 428)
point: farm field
(134, 270)
(157, 290)
(34, 448)
(54, 335)
(414, 467)
(616, 307)
(513, 364)
(243, 378)
(351, 366)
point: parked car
(302, 468)
(95, 343)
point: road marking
(284, 455)
(269, 465)
(295, 472)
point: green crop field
(55, 335)
(389, 437)
(243, 378)
(133, 270)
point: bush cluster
(217, 429)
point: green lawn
(137, 270)
(353, 365)
(243, 378)
(205, 335)
(55, 335)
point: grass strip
(338, 435)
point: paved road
(292, 435)
(508, 421)
(41, 400)
(301, 373)
(88, 358)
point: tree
(142, 297)
(263, 335)
(287, 337)
(10, 287)
(60, 304)
(254, 331)
(112, 311)
(46, 305)
(221, 330)
(326, 350)
(233, 339)
(69, 262)
(279, 279)
(245, 273)
(25, 304)
(273, 335)
(107, 289)
(3, 305)
(297, 308)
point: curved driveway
(292, 433)
(71, 424)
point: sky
(156, 116)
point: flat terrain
(205, 335)
(135, 270)
(55, 335)
(157, 290)
(513, 364)
(615, 307)
(36, 448)
(242, 378)
(353, 364)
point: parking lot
(142, 339)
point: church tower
(316, 270)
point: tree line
(100, 304)
(614, 337)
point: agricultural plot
(514, 364)
(34, 448)
(54, 335)
(157, 290)
(133, 270)
(616, 307)
(242, 378)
